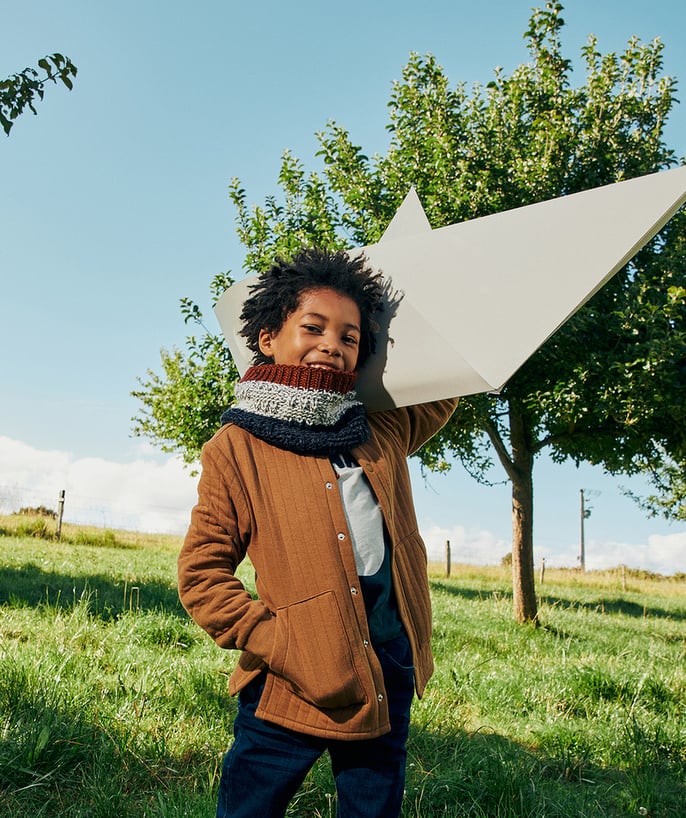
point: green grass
(113, 703)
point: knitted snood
(304, 409)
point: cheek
(352, 360)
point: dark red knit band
(302, 377)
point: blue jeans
(267, 763)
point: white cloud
(469, 546)
(143, 495)
(661, 554)
(665, 553)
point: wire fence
(107, 513)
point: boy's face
(323, 331)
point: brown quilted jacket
(308, 625)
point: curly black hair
(278, 291)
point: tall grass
(113, 703)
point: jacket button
(365, 642)
(329, 485)
(380, 697)
(353, 590)
(341, 535)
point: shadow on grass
(108, 597)
(79, 748)
(484, 774)
(56, 762)
(610, 604)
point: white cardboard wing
(471, 302)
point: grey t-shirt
(371, 549)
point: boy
(317, 493)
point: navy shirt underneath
(377, 588)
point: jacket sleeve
(415, 425)
(214, 546)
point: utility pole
(584, 514)
(582, 545)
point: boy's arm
(417, 424)
(427, 419)
(213, 548)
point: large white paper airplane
(471, 302)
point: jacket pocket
(312, 653)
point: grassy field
(112, 703)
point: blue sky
(114, 206)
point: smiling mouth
(319, 365)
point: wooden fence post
(447, 558)
(60, 512)
(542, 570)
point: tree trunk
(523, 582)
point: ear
(264, 341)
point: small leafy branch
(20, 91)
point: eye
(351, 340)
(312, 328)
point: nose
(331, 345)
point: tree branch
(499, 445)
